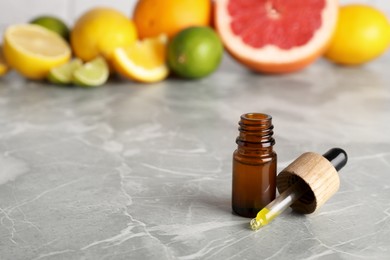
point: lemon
(195, 52)
(362, 34)
(143, 61)
(3, 65)
(33, 50)
(92, 74)
(99, 31)
(64, 74)
(52, 23)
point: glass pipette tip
(278, 205)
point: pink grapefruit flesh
(276, 36)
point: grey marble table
(131, 171)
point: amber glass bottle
(254, 165)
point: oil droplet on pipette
(262, 218)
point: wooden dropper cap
(319, 175)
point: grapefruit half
(276, 36)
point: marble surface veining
(131, 171)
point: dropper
(300, 188)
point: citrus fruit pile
(187, 39)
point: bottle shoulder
(254, 157)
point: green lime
(92, 74)
(64, 73)
(52, 23)
(195, 52)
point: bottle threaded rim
(256, 128)
(256, 117)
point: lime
(54, 24)
(195, 52)
(92, 74)
(64, 73)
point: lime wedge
(92, 74)
(64, 73)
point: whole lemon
(362, 34)
(155, 17)
(99, 31)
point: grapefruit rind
(272, 59)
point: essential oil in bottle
(254, 165)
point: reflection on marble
(129, 171)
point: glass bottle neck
(256, 131)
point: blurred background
(20, 11)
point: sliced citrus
(92, 74)
(33, 50)
(276, 36)
(64, 73)
(143, 61)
